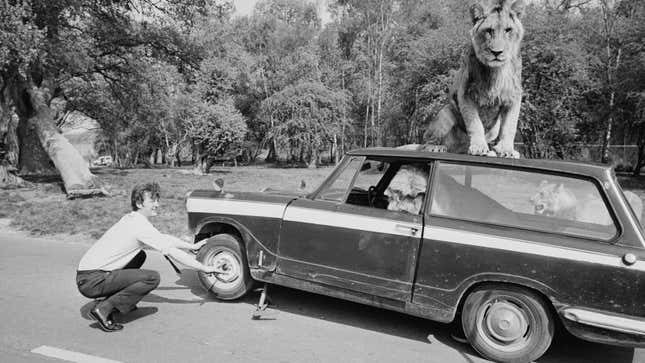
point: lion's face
(551, 199)
(497, 31)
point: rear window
(543, 202)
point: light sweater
(132, 233)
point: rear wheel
(225, 251)
(507, 324)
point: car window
(530, 200)
(371, 173)
(398, 186)
(337, 189)
(406, 191)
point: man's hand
(199, 245)
(212, 270)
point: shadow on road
(134, 315)
(189, 280)
(120, 318)
(569, 349)
(565, 348)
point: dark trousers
(122, 288)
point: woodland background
(170, 81)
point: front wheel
(507, 324)
(225, 252)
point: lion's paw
(503, 152)
(480, 149)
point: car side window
(338, 188)
(543, 202)
(396, 186)
(406, 191)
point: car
(509, 248)
(105, 160)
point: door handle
(629, 259)
(404, 227)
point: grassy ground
(42, 209)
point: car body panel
(350, 247)
(257, 217)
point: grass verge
(43, 210)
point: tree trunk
(271, 155)
(203, 165)
(36, 161)
(314, 159)
(640, 162)
(9, 180)
(608, 129)
(609, 14)
(77, 178)
(178, 156)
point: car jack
(261, 312)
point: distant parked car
(508, 247)
(105, 160)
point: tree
(215, 130)
(608, 28)
(429, 45)
(274, 36)
(368, 28)
(556, 76)
(50, 43)
(305, 116)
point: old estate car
(510, 247)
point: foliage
(215, 128)
(556, 76)
(307, 116)
(20, 40)
(160, 76)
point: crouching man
(111, 267)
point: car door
(345, 236)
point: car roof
(575, 167)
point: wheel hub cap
(506, 322)
(226, 262)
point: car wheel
(225, 251)
(507, 324)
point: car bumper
(604, 327)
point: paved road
(41, 311)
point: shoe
(105, 322)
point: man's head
(145, 199)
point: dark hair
(139, 191)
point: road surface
(41, 320)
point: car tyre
(225, 251)
(507, 324)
